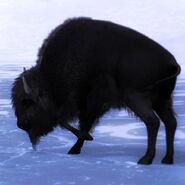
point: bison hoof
(74, 151)
(145, 160)
(167, 160)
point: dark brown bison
(84, 68)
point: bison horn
(25, 85)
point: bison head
(33, 107)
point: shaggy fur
(84, 68)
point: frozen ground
(119, 141)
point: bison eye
(27, 102)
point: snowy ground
(119, 141)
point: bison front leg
(76, 149)
(79, 134)
(63, 123)
(85, 127)
(89, 114)
(140, 104)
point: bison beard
(86, 67)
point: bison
(86, 67)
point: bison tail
(175, 71)
(167, 84)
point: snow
(119, 140)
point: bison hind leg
(141, 105)
(165, 111)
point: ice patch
(133, 131)
(87, 178)
(130, 163)
(180, 94)
(13, 157)
(180, 102)
(128, 131)
(4, 113)
(180, 134)
(4, 102)
(71, 183)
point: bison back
(77, 52)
